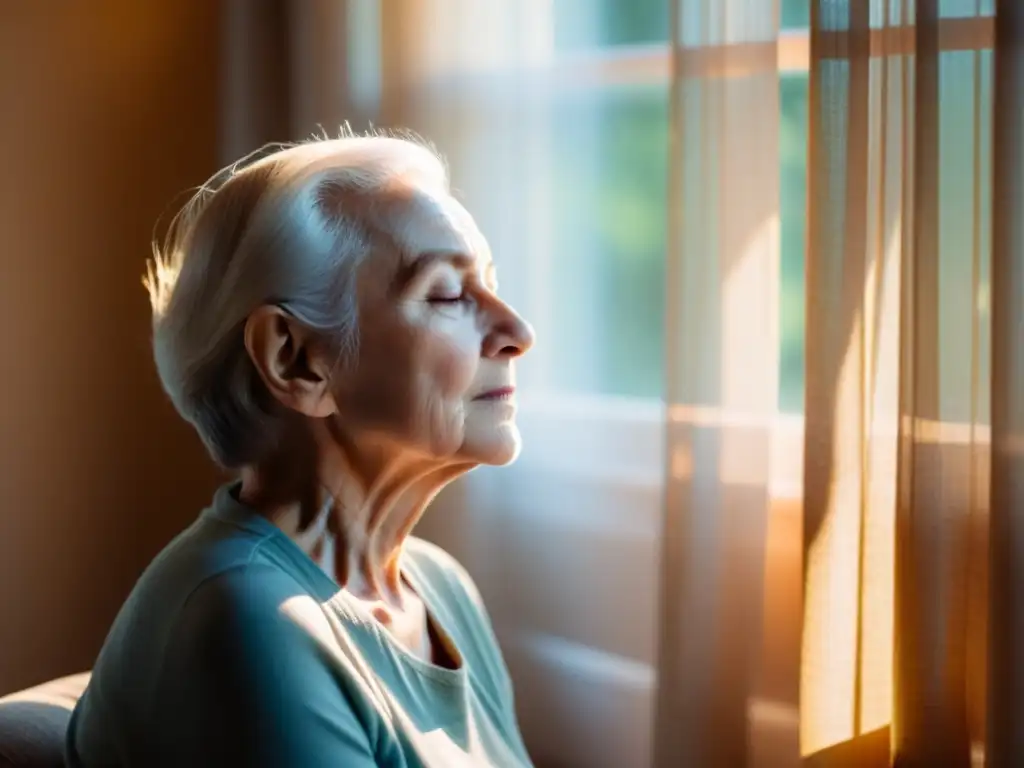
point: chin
(496, 446)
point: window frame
(652, 63)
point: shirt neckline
(227, 508)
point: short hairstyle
(289, 225)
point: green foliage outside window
(612, 220)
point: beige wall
(108, 109)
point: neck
(353, 513)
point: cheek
(452, 363)
(413, 380)
(448, 370)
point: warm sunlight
(878, 535)
(749, 340)
(846, 668)
(831, 599)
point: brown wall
(108, 109)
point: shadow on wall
(110, 111)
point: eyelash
(465, 297)
(448, 300)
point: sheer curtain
(722, 364)
(912, 505)
(770, 509)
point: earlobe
(289, 361)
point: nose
(510, 336)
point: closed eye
(447, 299)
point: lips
(499, 393)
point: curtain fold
(933, 507)
(897, 423)
(849, 390)
(722, 362)
(1006, 619)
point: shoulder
(201, 568)
(207, 553)
(243, 588)
(238, 626)
(235, 663)
(250, 658)
(251, 608)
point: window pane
(795, 14)
(608, 234)
(609, 171)
(584, 24)
(953, 9)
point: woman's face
(434, 370)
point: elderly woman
(327, 319)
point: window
(612, 216)
(608, 246)
(584, 24)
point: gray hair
(289, 228)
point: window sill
(622, 440)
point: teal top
(236, 649)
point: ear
(291, 363)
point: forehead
(430, 219)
